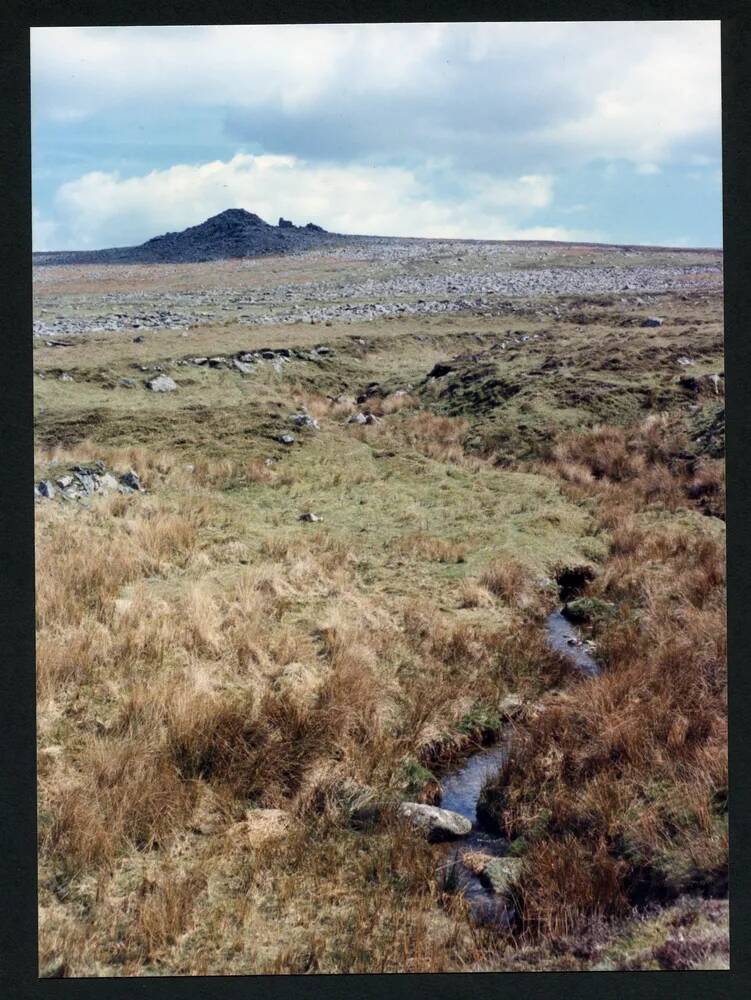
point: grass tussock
(420, 545)
(510, 580)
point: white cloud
(635, 90)
(102, 209)
(648, 169)
(667, 94)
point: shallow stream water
(461, 789)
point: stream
(461, 789)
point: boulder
(46, 489)
(162, 383)
(287, 438)
(217, 362)
(66, 377)
(362, 418)
(64, 482)
(305, 420)
(285, 223)
(310, 516)
(242, 367)
(138, 339)
(87, 480)
(587, 609)
(131, 480)
(434, 823)
(108, 482)
(501, 875)
(651, 321)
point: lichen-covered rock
(501, 875)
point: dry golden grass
(196, 665)
(474, 595)
(509, 580)
(620, 793)
(420, 545)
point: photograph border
(18, 857)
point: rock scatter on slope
(476, 277)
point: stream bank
(472, 866)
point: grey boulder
(652, 321)
(162, 383)
(131, 480)
(305, 420)
(108, 482)
(434, 823)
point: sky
(606, 132)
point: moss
(589, 610)
(414, 778)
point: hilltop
(230, 234)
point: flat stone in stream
(435, 823)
